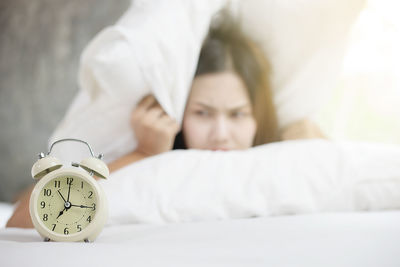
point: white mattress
(330, 239)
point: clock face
(66, 204)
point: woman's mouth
(220, 149)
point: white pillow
(282, 178)
(305, 41)
(154, 48)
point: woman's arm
(20, 217)
(126, 160)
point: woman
(230, 106)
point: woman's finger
(170, 123)
(154, 114)
(143, 106)
(147, 102)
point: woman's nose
(221, 130)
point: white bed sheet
(324, 239)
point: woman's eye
(202, 113)
(238, 114)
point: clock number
(66, 232)
(57, 184)
(82, 185)
(45, 217)
(69, 181)
(47, 192)
(94, 206)
(90, 194)
(89, 219)
(43, 204)
(54, 227)
(79, 227)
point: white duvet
(293, 177)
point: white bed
(325, 239)
(231, 209)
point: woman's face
(218, 113)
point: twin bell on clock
(67, 203)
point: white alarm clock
(67, 204)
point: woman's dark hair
(226, 48)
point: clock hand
(61, 195)
(69, 189)
(61, 213)
(81, 206)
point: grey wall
(40, 45)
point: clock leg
(86, 240)
(46, 239)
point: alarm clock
(67, 203)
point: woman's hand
(155, 131)
(302, 129)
